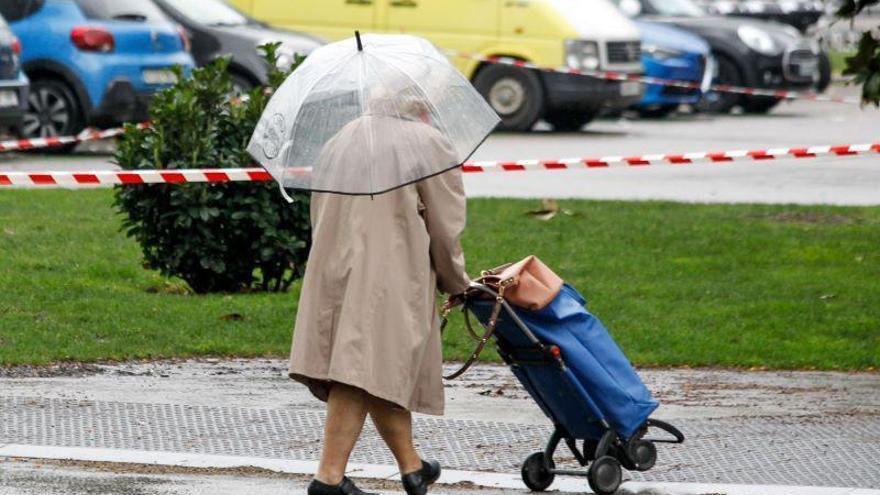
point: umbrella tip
(357, 36)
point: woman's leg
(395, 426)
(346, 412)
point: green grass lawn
(774, 286)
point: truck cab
(582, 34)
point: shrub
(217, 237)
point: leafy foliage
(217, 237)
(865, 64)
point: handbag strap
(481, 344)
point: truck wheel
(759, 104)
(515, 93)
(728, 73)
(52, 111)
(569, 120)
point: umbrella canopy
(368, 115)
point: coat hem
(319, 387)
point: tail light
(184, 38)
(16, 46)
(93, 39)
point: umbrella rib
(367, 128)
(306, 94)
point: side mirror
(632, 8)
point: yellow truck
(583, 34)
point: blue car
(93, 62)
(671, 53)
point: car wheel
(240, 84)
(515, 93)
(759, 104)
(825, 76)
(52, 111)
(730, 74)
(656, 111)
(569, 120)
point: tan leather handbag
(529, 284)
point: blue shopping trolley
(570, 365)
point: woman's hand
(453, 301)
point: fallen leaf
(550, 208)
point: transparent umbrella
(370, 114)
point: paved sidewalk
(806, 428)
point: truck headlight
(582, 54)
(758, 40)
(659, 52)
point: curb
(507, 481)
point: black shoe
(416, 483)
(346, 487)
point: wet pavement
(785, 428)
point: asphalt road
(843, 181)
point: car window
(14, 10)
(130, 10)
(677, 8)
(208, 12)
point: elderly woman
(367, 338)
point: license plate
(630, 88)
(8, 98)
(807, 69)
(159, 76)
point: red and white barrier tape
(54, 142)
(621, 76)
(182, 176)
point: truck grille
(624, 52)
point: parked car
(803, 15)
(584, 35)
(13, 82)
(748, 52)
(216, 28)
(671, 53)
(93, 62)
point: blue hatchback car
(671, 53)
(93, 62)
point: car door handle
(359, 2)
(404, 3)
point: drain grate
(826, 451)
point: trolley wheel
(535, 474)
(604, 475)
(643, 454)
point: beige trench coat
(367, 313)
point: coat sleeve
(445, 216)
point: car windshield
(122, 10)
(677, 8)
(209, 12)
